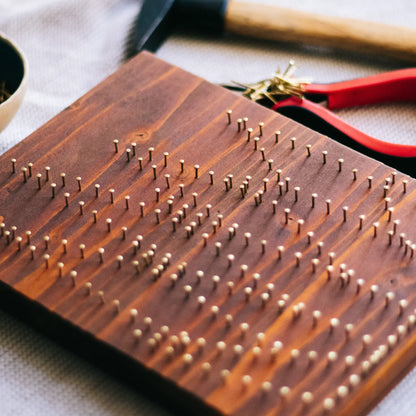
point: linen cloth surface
(72, 45)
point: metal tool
(158, 17)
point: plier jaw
(302, 106)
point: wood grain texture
(234, 301)
(281, 24)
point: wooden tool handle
(275, 23)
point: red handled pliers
(392, 86)
(395, 86)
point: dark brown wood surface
(226, 291)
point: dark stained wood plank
(221, 274)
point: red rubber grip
(382, 88)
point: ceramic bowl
(13, 79)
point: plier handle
(395, 86)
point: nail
(60, 269)
(360, 284)
(361, 221)
(298, 256)
(390, 211)
(375, 227)
(174, 222)
(390, 234)
(315, 263)
(287, 180)
(157, 214)
(300, 223)
(46, 260)
(328, 206)
(345, 210)
(24, 172)
(28, 237)
(287, 212)
(314, 196)
(373, 291)
(316, 316)
(265, 182)
(211, 177)
(405, 181)
(276, 135)
(226, 184)
(82, 250)
(229, 112)
(320, 246)
(64, 243)
(388, 298)
(280, 250)
(19, 243)
(73, 275)
(249, 133)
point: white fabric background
(72, 45)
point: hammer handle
(275, 23)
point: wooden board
(270, 274)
